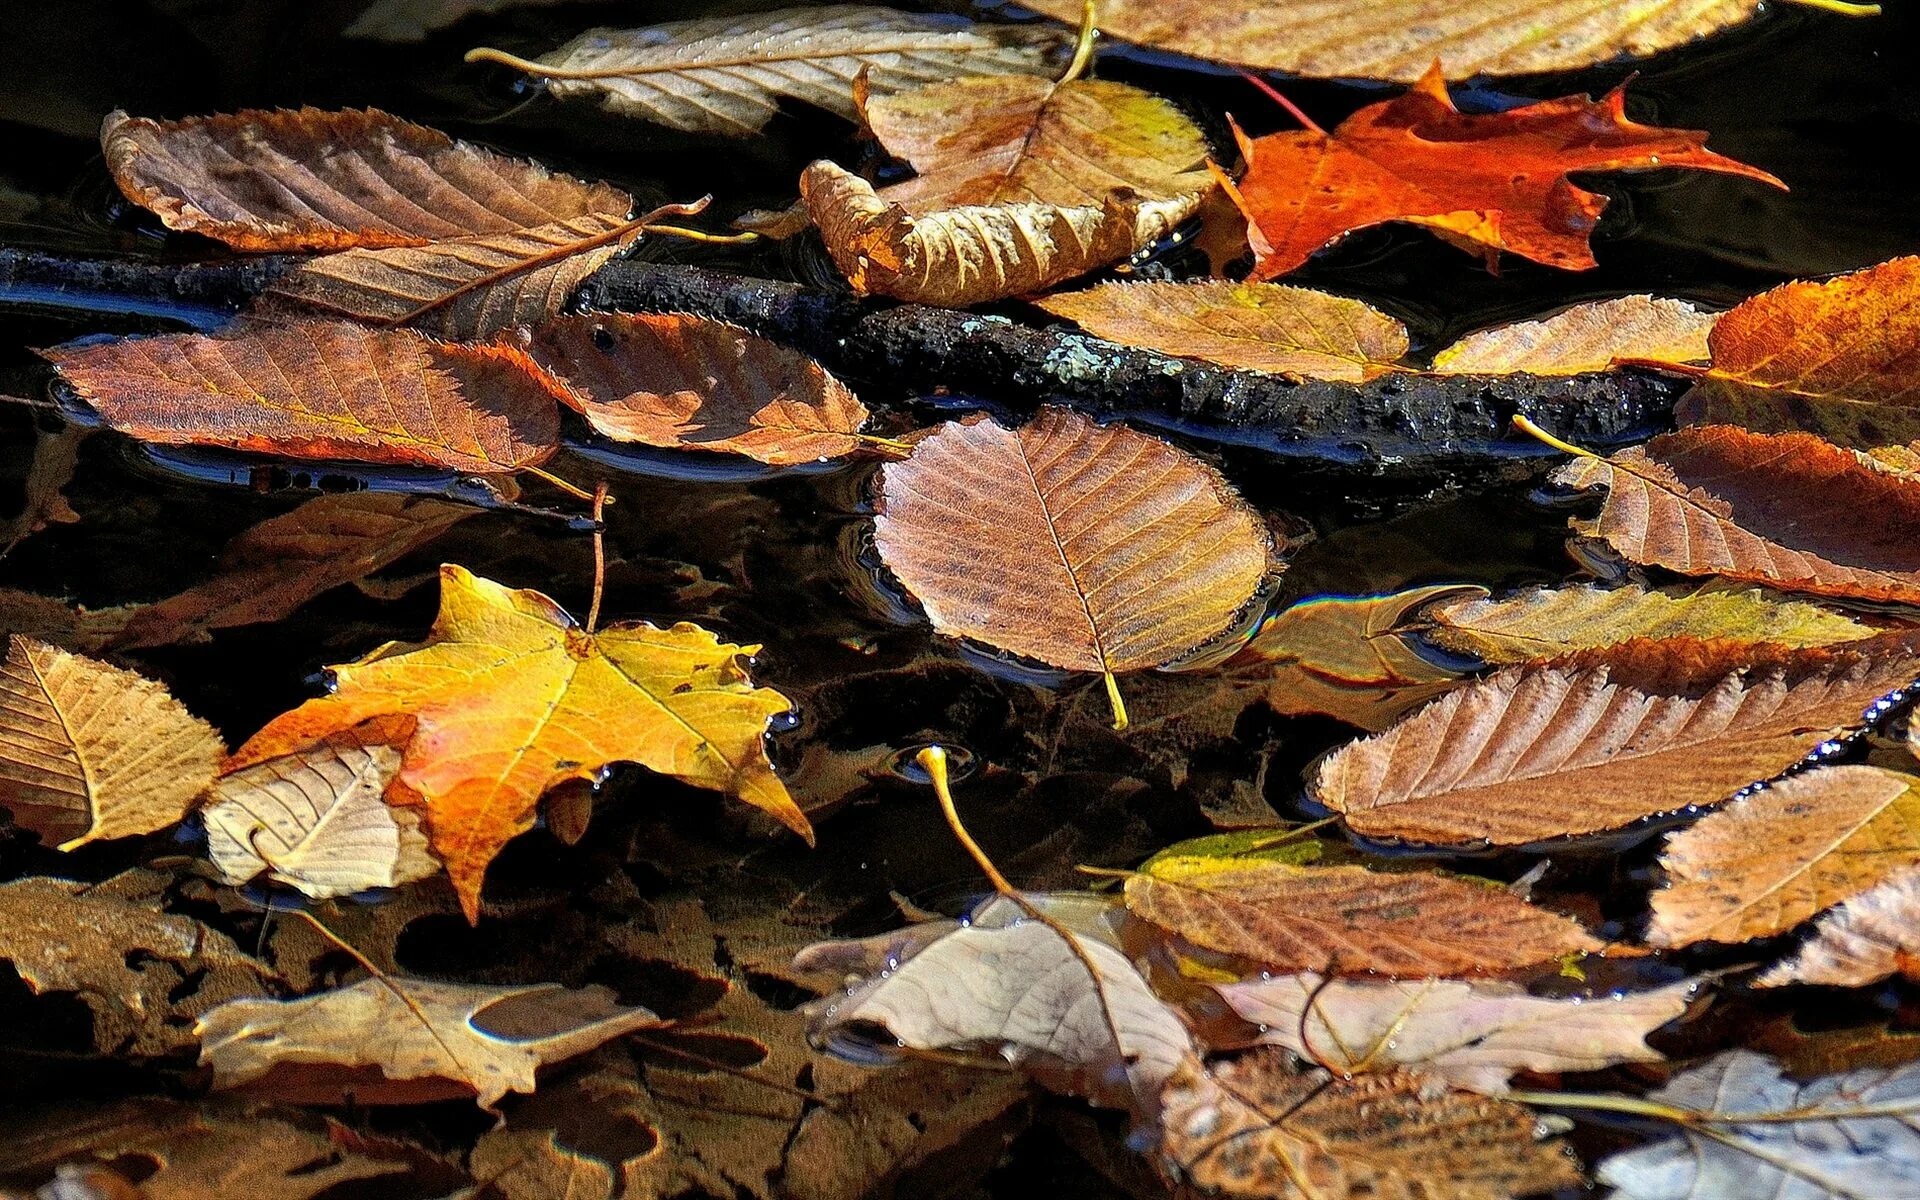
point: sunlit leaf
(1869, 937)
(1586, 337)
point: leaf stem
(1526, 425)
(576, 492)
(700, 235)
(1114, 699)
(933, 760)
(599, 554)
(1632, 1105)
(1841, 6)
(1293, 110)
(1082, 43)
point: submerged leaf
(1866, 939)
(1586, 337)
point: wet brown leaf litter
(700, 735)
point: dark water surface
(1831, 106)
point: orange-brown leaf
(1586, 337)
(1497, 180)
(687, 382)
(309, 179)
(324, 389)
(1778, 509)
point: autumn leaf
(727, 75)
(1497, 180)
(324, 389)
(91, 751)
(1089, 547)
(54, 457)
(1768, 861)
(1542, 623)
(1835, 357)
(1586, 337)
(1251, 1128)
(1474, 1036)
(1252, 326)
(685, 382)
(1778, 509)
(405, 1041)
(1867, 938)
(1601, 739)
(308, 179)
(511, 697)
(1348, 919)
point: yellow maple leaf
(510, 696)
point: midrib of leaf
(1059, 548)
(88, 782)
(804, 54)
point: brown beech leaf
(1779, 509)
(324, 389)
(686, 382)
(1770, 860)
(404, 1041)
(308, 179)
(728, 74)
(1473, 1035)
(1840, 358)
(1089, 547)
(1600, 739)
(1586, 337)
(1542, 623)
(1252, 326)
(1348, 919)
(1867, 938)
(1253, 1129)
(144, 973)
(91, 751)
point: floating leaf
(1496, 180)
(324, 389)
(728, 74)
(1753, 1132)
(1545, 623)
(1348, 920)
(1769, 861)
(1252, 1129)
(1475, 1036)
(1869, 937)
(1251, 326)
(1090, 547)
(1776, 509)
(54, 456)
(405, 1041)
(308, 179)
(1586, 337)
(1603, 738)
(91, 751)
(1834, 357)
(689, 383)
(511, 697)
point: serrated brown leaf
(309, 179)
(1839, 358)
(1347, 919)
(1586, 337)
(1251, 1128)
(1251, 326)
(324, 389)
(686, 382)
(1766, 862)
(1600, 739)
(91, 751)
(1869, 937)
(1779, 509)
(1090, 547)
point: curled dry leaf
(728, 75)
(1603, 738)
(405, 1041)
(91, 751)
(1090, 547)
(1349, 920)
(1252, 1129)
(1866, 939)
(1250, 326)
(1754, 1132)
(511, 697)
(1474, 1036)
(686, 382)
(1543, 623)
(324, 389)
(308, 179)
(318, 819)
(1771, 860)
(1776, 509)
(1586, 337)
(1497, 180)
(1835, 357)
